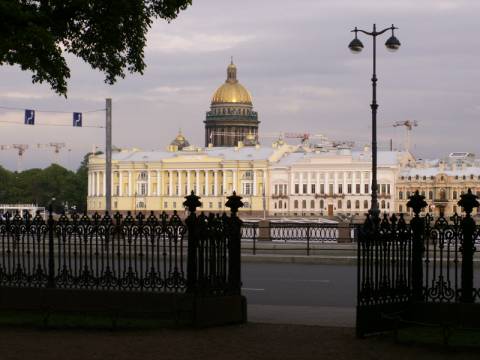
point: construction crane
(56, 149)
(21, 150)
(409, 125)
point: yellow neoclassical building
(159, 180)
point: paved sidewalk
(302, 315)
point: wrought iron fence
(424, 261)
(162, 254)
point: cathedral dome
(232, 92)
(180, 141)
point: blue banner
(77, 119)
(29, 117)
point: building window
(349, 188)
(400, 195)
(330, 189)
(322, 188)
(339, 204)
(280, 205)
(141, 205)
(383, 188)
(454, 195)
(219, 205)
(349, 204)
(210, 205)
(400, 208)
(276, 190)
(357, 188)
(305, 188)
(430, 195)
(365, 189)
(312, 204)
(357, 204)
(365, 204)
(165, 205)
(321, 204)
(143, 189)
(340, 188)
(295, 204)
(297, 188)
(174, 205)
(247, 189)
(312, 188)
(304, 204)
(382, 204)
(143, 176)
(115, 204)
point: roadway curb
(300, 259)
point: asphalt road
(300, 284)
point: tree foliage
(110, 35)
(39, 186)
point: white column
(224, 182)
(104, 187)
(149, 190)
(188, 182)
(206, 182)
(292, 182)
(89, 184)
(370, 182)
(234, 185)
(254, 182)
(344, 182)
(317, 187)
(326, 182)
(129, 183)
(97, 183)
(215, 183)
(300, 182)
(197, 182)
(170, 182)
(309, 182)
(335, 183)
(179, 182)
(158, 182)
(120, 183)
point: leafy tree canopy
(110, 35)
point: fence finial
(468, 201)
(192, 202)
(416, 202)
(234, 202)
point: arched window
(312, 204)
(280, 205)
(304, 204)
(365, 204)
(349, 204)
(295, 204)
(400, 195)
(430, 195)
(382, 204)
(321, 204)
(285, 205)
(357, 204)
(275, 205)
(443, 194)
(339, 204)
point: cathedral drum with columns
(231, 118)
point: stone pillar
(120, 183)
(149, 191)
(264, 230)
(344, 233)
(206, 183)
(129, 183)
(188, 183)
(254, 182)
(179, 182)
(215, 183)
(170, 182)
(326, 182)
(335, 183)
(158, 182)
(292, 182)
(224, 182)
(89, 190)
(309, 182)
(197, 182)
(300, 183)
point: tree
(110, 35)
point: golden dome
(232, 91)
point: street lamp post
(356, 47)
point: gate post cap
(234, 202)
(416, 202)
(192, 202)
(468, 201)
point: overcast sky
(293, 58)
